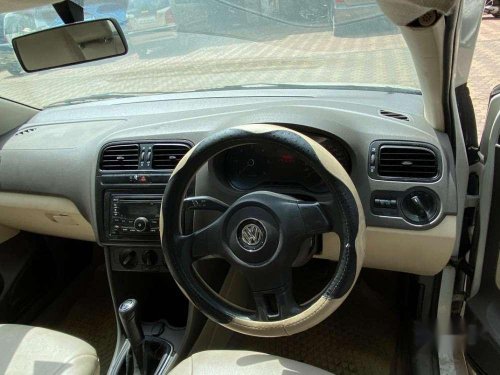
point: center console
(131, 178)
(130, 226)
(130, 181)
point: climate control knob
(150, 258)
(128, 259)
(140, 224)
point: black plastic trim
(396, 210)
(141, 143)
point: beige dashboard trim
(424, 252)
(421, 252)
(48, 215)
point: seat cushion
(31, 350)
(231, 362)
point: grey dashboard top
(60, 154)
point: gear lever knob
(129, 316)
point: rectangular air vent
(394, 115)
(413, 162)
(120, 157)
(167, 156)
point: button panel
(372, 159)
(145, 159)
(403, 204)
(385, 203)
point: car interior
(257, 227)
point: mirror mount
(69, 11)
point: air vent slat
(422, 161)
(398, 161)
(122, 147)
(394, 115)
(167, 156)
(120, 157)
(402, 152)
(407, 162)
(118, 152)
(402, 173)
(412, 158)
(174, 148)
(404, 167)
(124, 155)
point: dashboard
(97, 171)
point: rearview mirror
(70, 44)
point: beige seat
(239, 362)
(30, 350)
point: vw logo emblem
(251, 235)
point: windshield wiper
(109, 95)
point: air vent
(412, 162)
(120, 157)
(167, 156)
(394, 115)
(26, 131)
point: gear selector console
(144, 354)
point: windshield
(186, 45)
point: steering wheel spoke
(275, 303)
(314, 217)
(203, 243)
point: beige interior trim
(35, 350)
(242, 362)
(426, 47)
(7, 233)
(55, 216)
(402, 12)
(424, 252)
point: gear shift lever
(129, 316)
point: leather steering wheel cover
(352, 245)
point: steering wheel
(261, 235)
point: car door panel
(482, 312)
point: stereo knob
(140, 224)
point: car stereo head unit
(134, 216)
